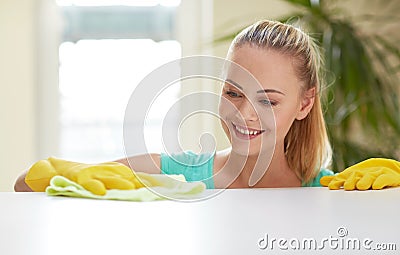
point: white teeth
(247, 132)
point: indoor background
(68, 68)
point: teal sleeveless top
(199, 167)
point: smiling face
(257, 116)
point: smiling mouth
(248, 133)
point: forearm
(20, 184)
(148, 163)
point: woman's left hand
(375, 173)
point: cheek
(285, 115)
(267, 119)
(226, 108)
(224, 111)
(284, 121)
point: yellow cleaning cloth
(173, 187)
(375, 173)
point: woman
(276, 129)
(287, 64)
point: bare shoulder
(148, 163)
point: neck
(261, 171)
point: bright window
(108, 47)
(97, 78)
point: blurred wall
(17, 80)
(29, 85)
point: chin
(245, 150)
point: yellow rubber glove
(375, 173)
(96, 178)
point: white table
(232, 222)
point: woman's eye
(267, 102)
(233, 94)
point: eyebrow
(259, 91)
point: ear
(306, 103)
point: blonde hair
(307, 147)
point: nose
(248, 111)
